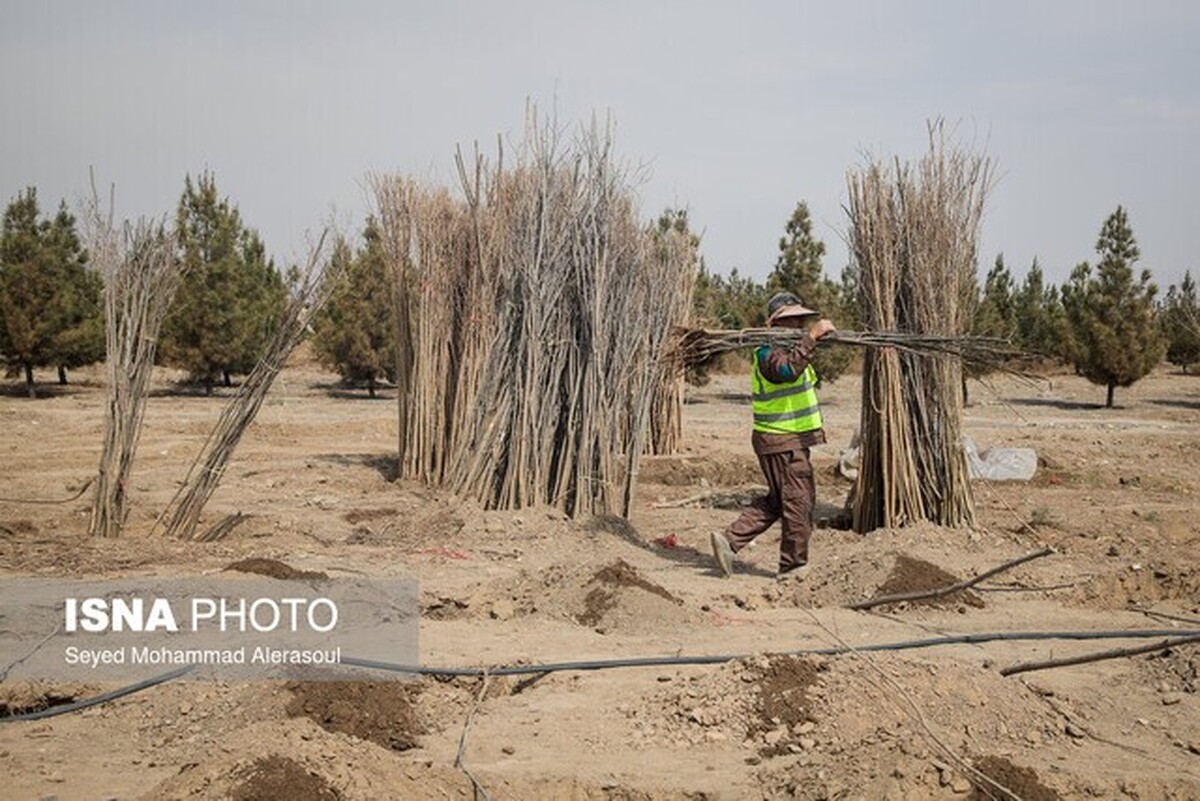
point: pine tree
(1116, 337)
(1181, 323)
(80, 340)
(231, 294)
(992, 313)
(851, 314)
(704, 296)
(49, 301)
(798, 270)
(995, 314)
(26, 288)
(261, 296)
(799, 263)
(355, 333)
(1074, 294)
(969, 303)
(731, 302)
(1038, 315)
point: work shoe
(791, 574)
(723, 553)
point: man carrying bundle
(787, 422)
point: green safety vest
(785, 408)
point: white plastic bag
(1000, 464)
(993, 464)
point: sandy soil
(1116, 496)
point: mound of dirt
(525, 594)
(867, 742)
(382, 712)
(986, 707)
(615, 526)
(617, 598)
(850, 571)
(917, 575)
(18, 698)
(443, 607)
(716, 706)
(280, 777)
(273, 568)
(764, 703)
(1173, 670)
(440, 526)
(609, 598)
(1023, 782)
(784, 706)
(426, 523)
(1137, 584)
(420, 518)
(612, 583)
(322, 766)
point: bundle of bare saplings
(913, 233)
(533, 312)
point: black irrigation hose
(112, 695)
(665, 661)
(645, 661)
(536, 670)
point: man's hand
(821, 328)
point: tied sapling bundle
(532, 308)
(913, 239)
(694, 347)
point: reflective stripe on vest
(785, 408)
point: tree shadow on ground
(44, 391)
(191, 389)
(1177, 404)
(1056, 404)
(383, 463)
(343, 391)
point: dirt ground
(1116, 496)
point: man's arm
(780, 364)
(783, 365)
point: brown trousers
(792, 496)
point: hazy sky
(739, 110)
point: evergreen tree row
(355, 333)
(231, 295)
(51, 306)
(50, 302)
(1104, 320)
(1180, 317)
